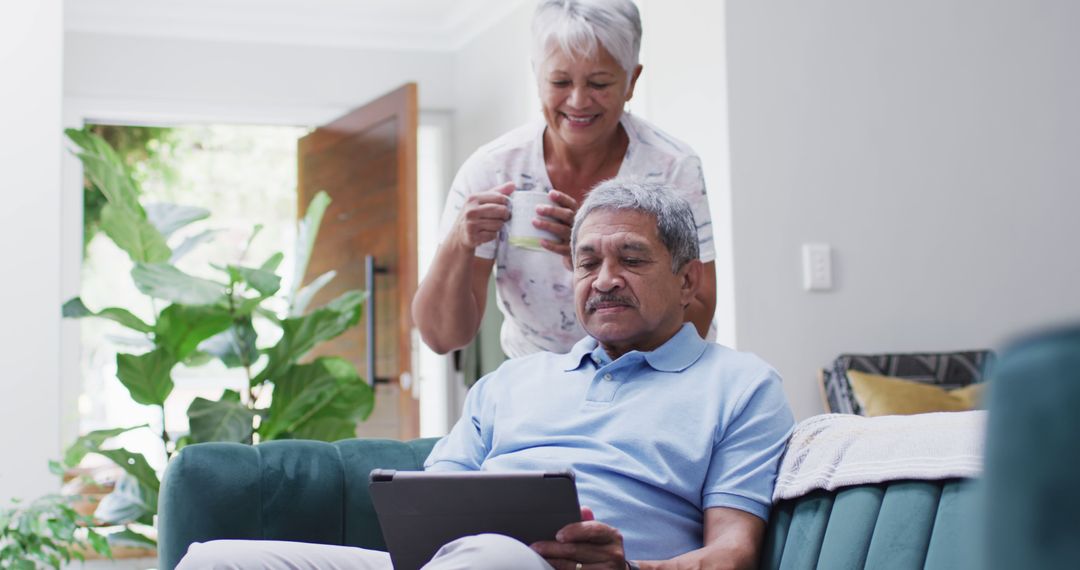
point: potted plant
(45, 532)
(197, 320)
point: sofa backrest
(1032, 498)
(302, 490)
(280, 490)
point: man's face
(626, 296)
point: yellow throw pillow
(886, 395)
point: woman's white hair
(578, 26)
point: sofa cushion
(945, 369)
(879, 395)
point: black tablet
(421, 511)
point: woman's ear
(633, 81)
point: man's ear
(691, 275)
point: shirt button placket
(603, 388)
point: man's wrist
(631, 565)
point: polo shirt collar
(675, 355)
(582, 349)
(679, 352)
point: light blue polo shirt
(654, 438)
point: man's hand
(586, 545)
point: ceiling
(426, 25)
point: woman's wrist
(458, 244)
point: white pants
(480, 552)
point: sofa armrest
(298, 490)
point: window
(245, 176)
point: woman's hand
(558, 218)
(587, 545)
(483, 215)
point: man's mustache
(607, 299)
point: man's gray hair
(577, 26)
(674, 218)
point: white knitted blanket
(836, 450)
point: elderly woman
(585, 57)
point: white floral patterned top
(534, 288)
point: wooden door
(366, 162)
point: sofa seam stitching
(344, 492)
(262, 505)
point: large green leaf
(305, 240)
(105, 169)
(130, 501)
(181, 328)
(301, 334)
(307, 293)
(135, 465)
(235, 346)
(134, 234)
(197, 358)
(326, 429)
(224, 420)
(191, 243)
(92, 442)
(164, 281)
(265, 282)
(147, 376)
(75, 309)
(271, 264)
(321, 399)
(168, 218)
(128, 537)
(122, 219)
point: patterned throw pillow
(887, 395)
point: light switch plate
(817, 266)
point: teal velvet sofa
(317, 492)
(1024, 513)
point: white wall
(190, 79)
(494, 89)
(30, 64)
(933, 143)
(683, 90)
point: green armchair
(307, 491)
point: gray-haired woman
(585, 57)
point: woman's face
(582, 98)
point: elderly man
(675, 442)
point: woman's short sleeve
(688, 179)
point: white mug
(523, 211)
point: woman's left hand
(557, 218)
